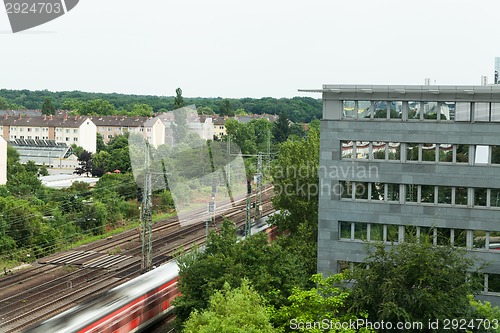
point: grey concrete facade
(456, 193)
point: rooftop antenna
(484, 80)
(497, 70)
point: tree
(77, 150)
(226, 108)
(179, 100)
(142, 110)
(205, 110)
(273, 269)
(85, 163)
(100, 145)
(281, 128)
(414, 281)
(242, 135)
(296, 182)
(48, 108)
(100, 163)
(6, 105)
(326, 301)
(239, 310)
(97, 107)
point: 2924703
(34, 8)
(469, 324)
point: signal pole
(147, 221)
(248, 222)
(258, 187)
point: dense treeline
(298, 109)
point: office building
(410, 160)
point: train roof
(80, 316)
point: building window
(101, 129)
(21, 137)
(75, 131)
(346, 189)
(444, 195)
(67, 130)
(67, 139)
(29, 129)
(350, 111)
(480, 196)
(109, 129)
(345, 230)
(461, 196)
(428, 152)
(37, 129)
(110, 136)
(20, 129)
(379, 150)
(347, 149)
(149, 130)
(482, 112)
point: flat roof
(402, 89)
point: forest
(298, 109)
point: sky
(234, 49)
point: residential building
(219, 127)
(401, 161)
(110, 126)
(199, 124)
(154, 131)
(79, 130)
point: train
(130, 307)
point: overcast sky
(256, 48)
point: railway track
(98, 286)
(22, 306)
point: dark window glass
(461, 196)
(427, 192)
(460, 237)
(412, 151)
(411, 193)
(393, 192)
(376, 232)
(392, 233)
(444, 195)
(345, 230)
(480, 197)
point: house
(219, 124)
